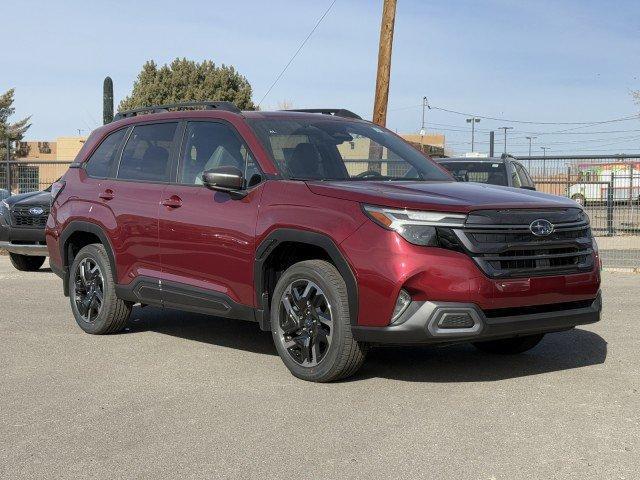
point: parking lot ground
(188, 396)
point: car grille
(502, 244)
(21, 217)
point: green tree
(185, 80)
(13, 131)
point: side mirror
(224, 179)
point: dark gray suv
(506, 171)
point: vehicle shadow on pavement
(456, 363)
(464, 363)
(224, 332)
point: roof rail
(227, 106)
(336, 112)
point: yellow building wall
(34, 175)
(68, 148)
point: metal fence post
(8, 166)
(610, 207)
(568, 180)
(630, 184)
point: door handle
(107, 194)
(173, 201)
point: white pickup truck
(593, 183)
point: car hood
(31, 198)
(460, 197)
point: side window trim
(523, 174)
(172, 150)
(181, 152)
(118, 153)
(116, 165)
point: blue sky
(542, 61)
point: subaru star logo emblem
(36, 210)
(541, 227)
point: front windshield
(326, 149)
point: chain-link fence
(608, 186)
(26, 176)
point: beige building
(44, 162)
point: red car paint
(193, 236)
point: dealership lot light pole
(544, 161)
(530, 138)
(505, 136)
(473, 121)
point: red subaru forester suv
(328, 230)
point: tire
(26, 263)
(510, 346)
(341, 356)
(579, 199)
(112, 313)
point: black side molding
(151, 291)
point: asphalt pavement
(188, 396)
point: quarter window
(525, 179)
(146, 156)
(210, 145)
(101, 161)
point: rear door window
(102, 160)
(147, 154)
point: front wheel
(26, 263)
(510, 346)
(310, 323)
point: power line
(621, 119)
(527, 122)
(297, 51)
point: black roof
(499, 159)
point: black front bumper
(420, 323)
(23, 240)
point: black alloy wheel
(89, 289)
(305, 324)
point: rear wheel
(510, 346)
(26, 263)
(310, 323)
(95, 306)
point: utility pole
(505, 136)
(423, 130)
(384, 63)
(473, 121)
(530, 138)
(425, 104)
(492, 139)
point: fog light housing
(456, 320)
(403, 301)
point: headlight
(417, 227)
